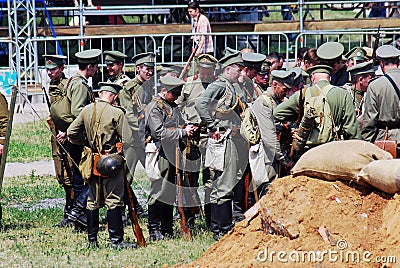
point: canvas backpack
(324, 129)
(60, 111)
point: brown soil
(361, 219)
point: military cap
(144, 58)
(90, 56)
(235, 58)
(319, 69)
(330, 51)
(299, 77)
(368, 52)
(206, 60)
(356, 53)
(229, 51)
(111, 87)
(172, 68)
(284, 77)
(113, 56)
(52, 61)
(265, 66)
(173, 84)
(253, 60)
(362, 68)
(387, 51)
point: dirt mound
(307, 222)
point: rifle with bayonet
(376, 44)
(61, 162)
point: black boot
(167, 220)
(92, 227)
(238, 206)
(78, 211)
(225, 218)
(214, 221)
(154, 223)
(116, 229)
(138, 208)
(207, 214)
(65, 222)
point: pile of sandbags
(351, 160)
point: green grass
(28, 238)
(29, 142)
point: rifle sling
(396, 88)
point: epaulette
(121, 108)
(131, 84)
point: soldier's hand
(190, 129)
(61, 136)
(1, 149)
(215, 135)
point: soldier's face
(55, 73)
(234, 72)
(206, 74)
(262, 79)
(279, 89)
(92, 69)
(114, 68)
(144, 72)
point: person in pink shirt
(200, 25)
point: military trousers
(106, 191)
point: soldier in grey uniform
(361, 74)
(192, 89)
(100, 126)
(356, 55)
(55, 70)
(261, 80)
(164, 133)
(134, 97)
(252, 62)
(270, 152)
(339, 75)
(115, 65)
(80, 94)
(219, 107)
(381, 109)
(340, 102)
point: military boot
(65, 222)
(92, 227)
(214, 221)
(225, 218)
(153, 224)
(167, 220)
(116, 229)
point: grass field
(33, 204)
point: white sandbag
(382, 174)
(338, 160)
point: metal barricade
(35, 75)
(176, 47)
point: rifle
(300, 114)
(376, 44)
(185, 231)
(63, 155)
(132, 213)
(247, 177)
(196, 47)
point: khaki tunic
(111, 119)
(358, 98)
(381, 109)
(79, 93)
(163, 121)
(3, 118)
(341, 106)
(57, 88)
(227, 97)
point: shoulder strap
(396, 88)
(96, 127)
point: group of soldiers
(186, 129)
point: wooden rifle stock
(196, 47)
(132, 213)
(247, 177)
(185, 231)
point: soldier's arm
(76, 131)
(370, 116)
(288, 110)
(3, 118)
(119, 121)
(126, 102)
(350, 125)
(155, 122)
(79, 98)
(212, 93)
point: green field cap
(356, 53)
(253, 60)
(90, 56)
(52, 61)
(144, 58)
(206, 61)
(173, 84)
(113, 56)
(235, 58)
(362, 68)
(111, 87)
(285, 77)
(387, 51)
(172, 68)
(330, 50)
(319, 69)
